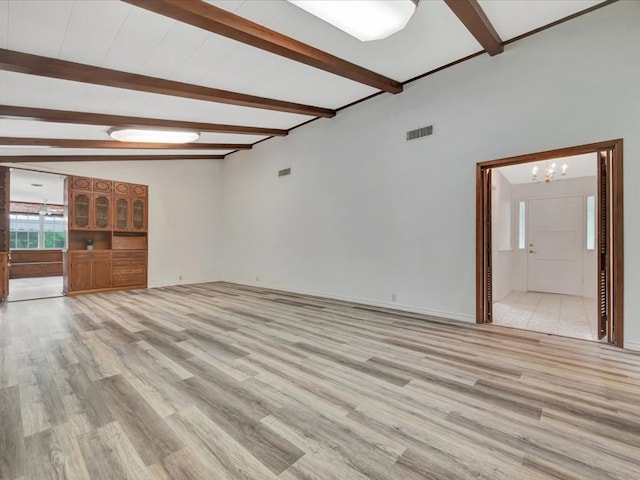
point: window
(591, 222)
(36, 231)
(54, 232)
(521, 224)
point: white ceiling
(577, 166)
(23, 190)
(113, 34)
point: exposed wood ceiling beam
(101, 158)
(473, 17)
(219, 21)
(77, 143)
(85, 118)
(78, 72)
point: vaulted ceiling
(238, 71)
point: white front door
(555, 246)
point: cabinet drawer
(130, 271)
(129, 281)
(89, 255)
(125, 259)
(129, 264)
(129, 276)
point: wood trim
(558, 22)
(102, 158)
(473, 17)
(551, 154)
(74, 143)
(227, 24)
(616, 246)
(86, 118)
(78, 72)
(480, 246)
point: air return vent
(420, 132)
(286, 171)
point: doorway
(567, 246)
(544, 259)
(36, 235)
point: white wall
(502, 235)
(574, 187)
(184, 213)
(366, 214)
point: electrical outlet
(257, 278)
(393, 297)
(180, 277)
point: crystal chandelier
(548, 172)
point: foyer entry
(554, 232)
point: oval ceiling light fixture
(153, 136)
(364, 19)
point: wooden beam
(78, 72)
(85, 118)
(473, 17)
(101, 158)
(222, 22)
(77, 143)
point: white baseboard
(363, 301)
(183, 282)
(632, 346)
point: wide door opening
(36, 235)
(549, 242)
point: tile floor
(32, 288)
(564, 315)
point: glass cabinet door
(102, 212)
(81, 206)
(122, 213)
(139, 214)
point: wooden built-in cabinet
(114, 215)
(130, 207)
(90, 270)
(129, 267)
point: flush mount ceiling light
(364, 19)
(153, 136)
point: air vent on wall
(286, 171)
(420, 132)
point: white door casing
(555, 245)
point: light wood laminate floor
(216, 381)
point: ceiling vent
(283, 172)
(420, 132)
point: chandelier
(547, 174)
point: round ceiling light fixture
(153, 136)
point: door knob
(531, 251)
